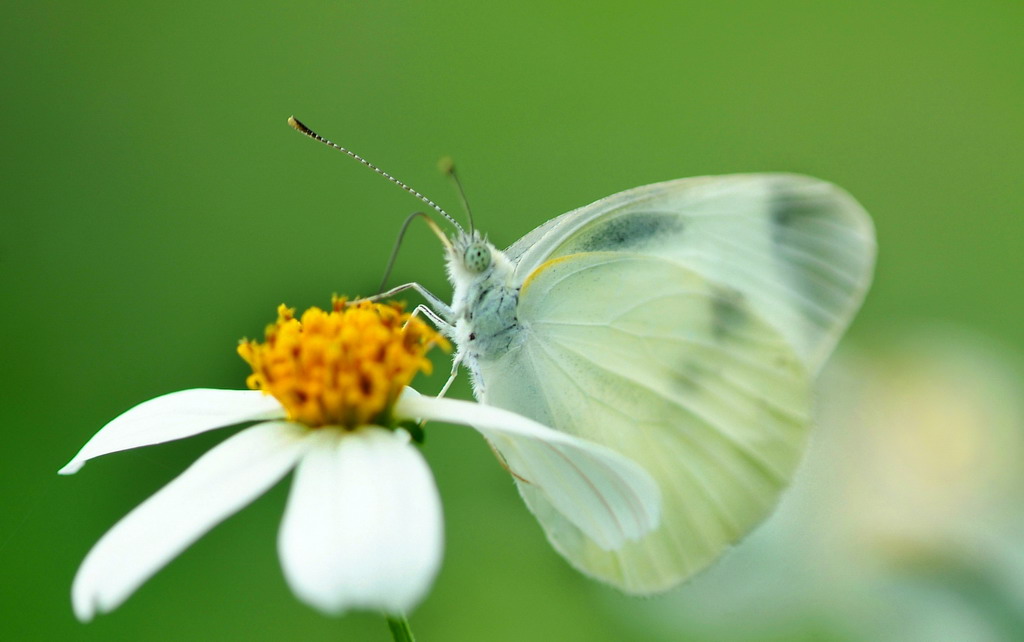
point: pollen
(341, 368)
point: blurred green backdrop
(156, 208)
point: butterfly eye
(477, 258)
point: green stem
(400, 630)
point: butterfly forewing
(800, 250)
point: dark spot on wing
(626, 232)
(782, 212)
(728, 313)
(784, 207)
(804, 230)
(793, 208)
(690, 375)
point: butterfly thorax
(484, 302)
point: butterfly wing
(655, 324)
(800, 249)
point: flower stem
(400, 630)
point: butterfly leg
(447, 384)
(456, 362)
(443, 326)
(439, 308)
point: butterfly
(681, 324)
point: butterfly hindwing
(678, 373)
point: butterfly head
(477, 257)
(471, 255)
(471, 252)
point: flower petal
(175, 416)
(607, 496)
(363, 527)
(218, 484)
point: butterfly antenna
(447, 165)
(298, 126)
(398, 242)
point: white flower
(363, 527)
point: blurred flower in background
(905, 522)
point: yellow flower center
(343, 368)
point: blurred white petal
(363, 526)
(175, 416)
(218, 484)
(607, 496)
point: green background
(156, 208)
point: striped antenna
(298, 126)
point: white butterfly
(680, 324)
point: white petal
(175, 416)
(218, 484)
(607, 496)
(363, 527)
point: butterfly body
(484, 303)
